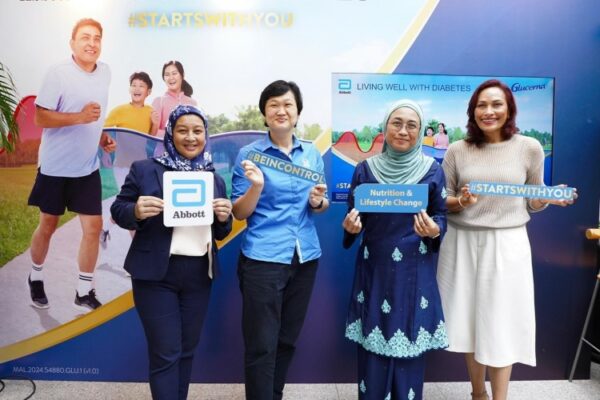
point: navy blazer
(148, 256)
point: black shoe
(87, 302)
(38, 295)
(104, 238)
(595, 357)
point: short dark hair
(186, 88)
(142, 76)
(279, 88)
(474, 134)
(85, 22)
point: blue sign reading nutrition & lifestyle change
(385, 198)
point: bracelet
(460, 204)
(317, 207)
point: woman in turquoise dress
(395, 313)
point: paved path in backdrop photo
(21, 320)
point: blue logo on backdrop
(517, 87)
(199, 188)
(344, 86)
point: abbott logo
(188, 198)
(344, 86)
(193, 194)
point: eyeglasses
(410, 126)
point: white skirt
(486, 284)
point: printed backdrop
(360, 102)
(231, 49)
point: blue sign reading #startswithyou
(529, 191)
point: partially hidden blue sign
(529, 191)
(286, 167)
(385, 198)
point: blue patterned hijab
(171, 157)
(396, 167)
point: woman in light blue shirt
(280, 248)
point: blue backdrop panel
(530, 39)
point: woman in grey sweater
(484, 271)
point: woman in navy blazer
(171, 268)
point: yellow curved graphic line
(124, 302)
(408, 38)
(236, 229)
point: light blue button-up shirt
(282, 221)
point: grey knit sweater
(519, 160)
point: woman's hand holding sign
(222, 209)
(316, 197)
(352, 223)
(148, 206)
(562, 202)
(246, 204)
(466, 198)
(425, 226)
(463, 200)
(253, 173)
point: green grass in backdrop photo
(18, 220)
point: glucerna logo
(518, 87)
(192, 194)
(344, 85)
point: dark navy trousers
(172, 311)
(275, 299)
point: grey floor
(521, 390)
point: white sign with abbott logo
(188, 198)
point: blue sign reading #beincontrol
(285, 166)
